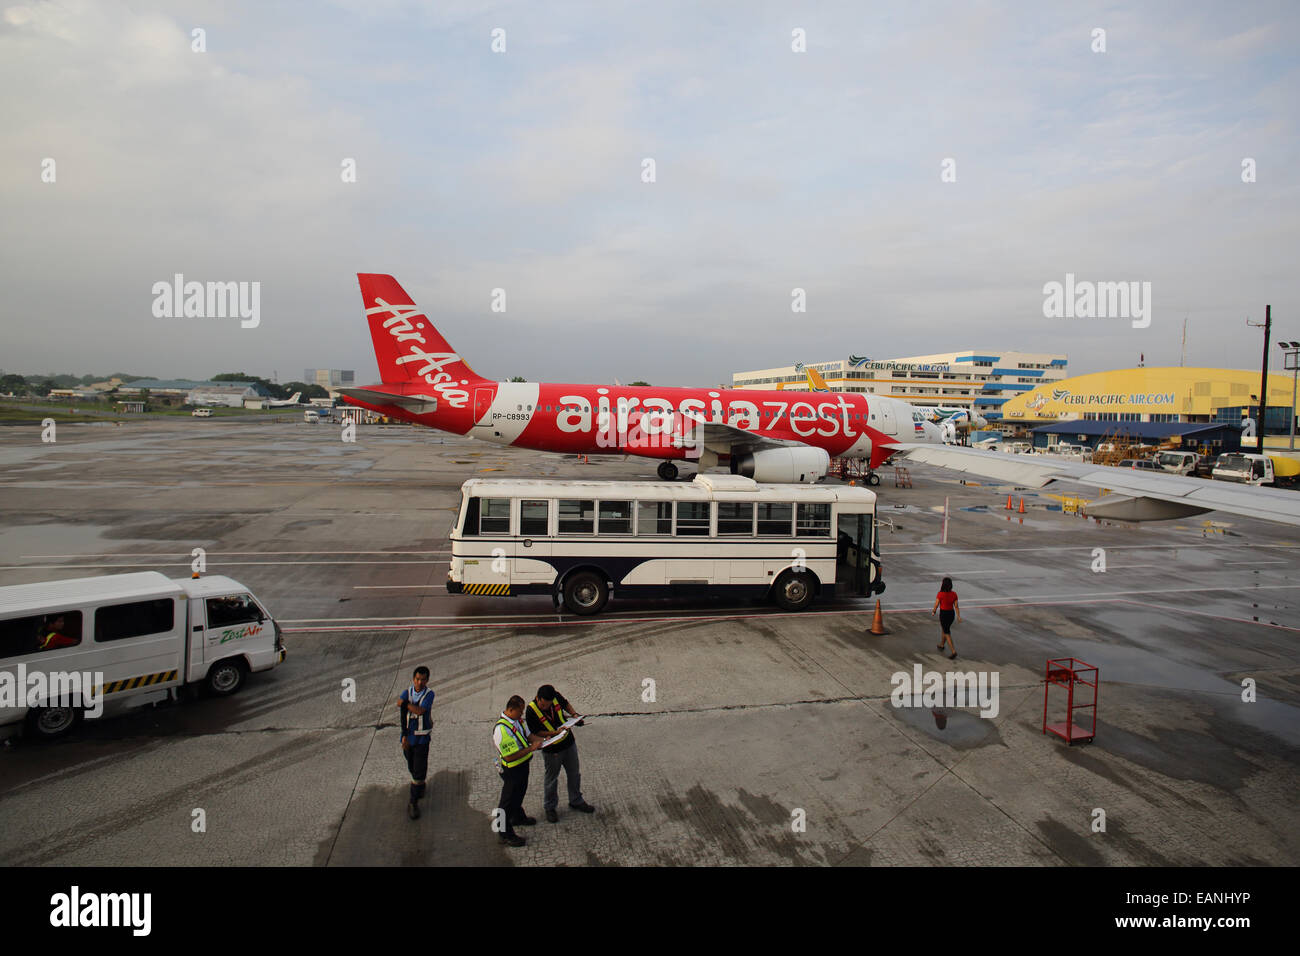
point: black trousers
(417, 761)
(514, 784)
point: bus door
(853, 553)
(533, 547)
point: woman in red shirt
(945, 602)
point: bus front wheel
(794, 591)
(585, 593)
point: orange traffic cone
(1008, 502)
(1022, 505)
(878, 622)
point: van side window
(117, 622)
(233, 609)
(20, 636)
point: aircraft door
(882, 416)
(482, 403)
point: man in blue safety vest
(416, 721)
(514, 748)
(546, 712)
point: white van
(202, 413)
(83, 647)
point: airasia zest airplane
(770, 436)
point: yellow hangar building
(1155, 396)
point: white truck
(1178, 462)
(88, 646)
(1244, 467)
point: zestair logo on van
(238, 633)
(80, 689)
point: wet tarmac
(770, 738)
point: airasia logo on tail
(401, 327)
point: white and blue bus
(582, 541)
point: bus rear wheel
(667, 471)
(585, 593)
(794, 591)
(49, 723)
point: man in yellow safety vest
(547, 712)
(514, 746)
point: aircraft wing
(1132, 495)
(729, 439)
(418, 404)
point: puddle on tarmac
(25, 543)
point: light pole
(1292, 362)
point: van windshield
(233, 609)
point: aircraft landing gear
(667, 471)
(873, 478)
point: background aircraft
(291, 400)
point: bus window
(735, 517)
(654, 517)
(534, 519)
(494, 516)
(577, 516)
(775, 517)
(693, 517)
(814, 520)
(615, 517)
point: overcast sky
(522, 170)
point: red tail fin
(407, 346)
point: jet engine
(783, 465)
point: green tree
(13, 383)
(518, 378)
(638, 384)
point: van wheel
(585, 593)
(794, 591)
(51, 722)
(226, 677)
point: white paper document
(556, 739)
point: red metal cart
(1072, 673)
